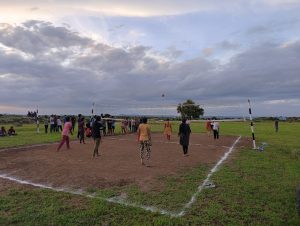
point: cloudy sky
(124, 54)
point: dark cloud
(227, 45)
(259, 30)
(61, 71)
(35, 37)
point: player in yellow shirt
(168, 129)
(144, 137)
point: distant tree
(190, 110)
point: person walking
(184, 134)
(216, 129)
(59, 124)
(144, 138)
(65, 134)
(168, 129)
(97, 126)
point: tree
(190, 110)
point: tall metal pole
(93, 106)
(252, 128)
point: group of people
(56, 123)
(143, 132)
(213, 126)
(130, 125)
(96, 128)
(11, 132)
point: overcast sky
(123, 55)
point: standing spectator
(65, 134)
(55, 124)
(129, 125)
(109, 129)
(137, 123)
(168, 129)
(276, 124)
(59, 124)
(93, 119)
(216, 129)
(103, 122)
(78, 120)
(73, 121)
(113, 125)
(81, 130)
(208, 127)
(133, 129)
(144, 137)
(184, 134)
(123, 126)
(46, 124)
(97, 126)
(51, 123)
(126, 125)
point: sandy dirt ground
(118, 164)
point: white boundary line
(117, 200)
(212, 171)
(124, 202)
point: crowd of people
(97, 126)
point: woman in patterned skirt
(144, 137)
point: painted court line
(117, 200)
(121, 201)
(212, 171)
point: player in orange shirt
(144, 137)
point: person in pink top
(65, 134)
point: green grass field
(256, 188)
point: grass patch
(257, 188)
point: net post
(252, 126)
